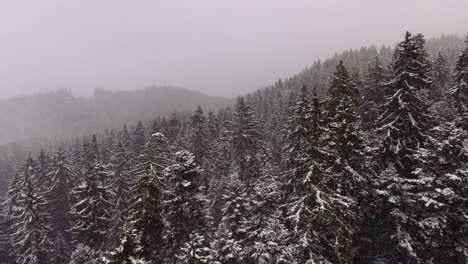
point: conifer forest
(360, 158)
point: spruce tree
(373, 94)
(184, 204)
(198, 136)
(405, 119)
(341, 85)
(86, 255)
(138, 138)
(346, 148)
(246, 141)
(129, 250)
(441, 75)
(119, 171)
(195, 251)
(298, 137)
(59, 205)
(90, 211)
(459, 92)
(145, 204)
(31, 239)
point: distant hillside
(59, 114)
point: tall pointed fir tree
(406, 119)
(231, 233)
(441, 75)
(31, 237)
(42, 168)
(59, 205)
(374, 93)
(129, 249)
(298, 136)
(412, 204)
(245, 141)
(184, 203)
(345, 142)
(90, 211)
(195, 251)
(341, 85)
(268, 240)
(145, 205)
(459, 92)
(119, 171)
(198, 135)
(324, 218)
(138, 138)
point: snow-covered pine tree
(5, 228)
(95, 149)
(184, 203)
(268, 239)
(212, 125)
(90, 211)
(298, 137)
(126, 138)
(138, 138)
(323, 223)
(85, 255)
(459, 92)
(245, 141)
(30, 239)
(129, 250)
(198, 135)
(42, 168)
(119, 171)
(373, 93)
(346, 148)
(195, 251)
(405, 119)
(58, 203)
(341, 85)
(417, 204)
(145, 204)
(231, 232)
(441, 75)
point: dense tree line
(373, 171)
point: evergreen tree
(41, 170)
(198, 137)
(195, 251)
(341, 85)
(31, 237)
(59, 205)
(246, 141)
(267, 237)
(145, 204)
(460, 91)
(138, 138)
(120, 174)
(90, 211)
(405, 119)
(183, 204)
(298, 137)
(441, 75)
(86, 255)
(374, 93)
(129, 251)
(346, 148)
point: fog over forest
(246, 132)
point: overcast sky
(219, 47)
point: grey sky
(220, 47)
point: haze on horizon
(214, 47)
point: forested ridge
(360, 159)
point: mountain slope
(60, 114)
